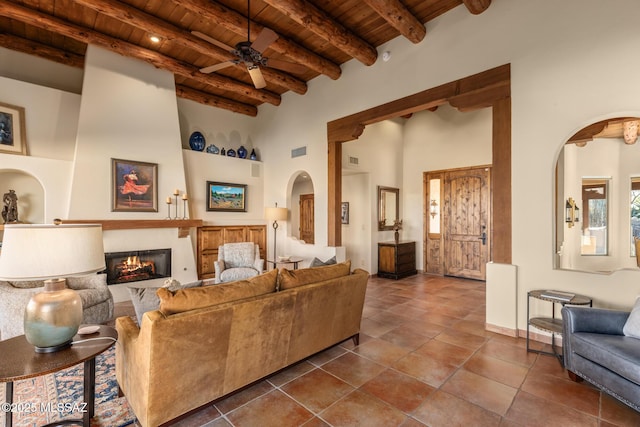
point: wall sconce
(572, 212)
(433, 208)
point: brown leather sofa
(204, 343)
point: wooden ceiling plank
(167, 31)
(476, 7)
(235, 22)
(324, 26)
(215, 101)
(88, 36)
(398, 16)
(41, 50)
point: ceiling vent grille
(298, 152)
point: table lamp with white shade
(50, 253)
(275, 214)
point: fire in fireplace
(133, 266)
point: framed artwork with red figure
(134, 186)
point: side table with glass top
(552, 324)
(20, 361)
(292, 260)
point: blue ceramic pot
(213, 149)
(196, 141)
(242, 152)
(231, 152)
(253, 155)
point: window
(594, 216)
(635, 213)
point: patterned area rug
(60, 395)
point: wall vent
(353, 161)
(255, 170)
(298, 152)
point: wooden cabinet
(210, 237)
(396, 260)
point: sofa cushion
(317, 263)
(617, 353)
(632, 326)
(146, 299)
(172, 302)
(293, 278)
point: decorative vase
(223, 152)
(253, 155)
(397, 236)
(52, 317)
(196, 141)
(231, 152)
(212, 149)
(242, 152)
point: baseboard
(501, 330)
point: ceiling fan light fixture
(256, 76)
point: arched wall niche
(30, 194)
(597, 203)
(300, 186)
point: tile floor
(424, 359)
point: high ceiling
(312, 37)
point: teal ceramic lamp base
(52, 317)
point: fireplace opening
(134, 266)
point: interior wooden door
(306, 218)
(466, 222)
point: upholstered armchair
(238, 261)
(97, 301)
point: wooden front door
(306, 218)
(466, 222)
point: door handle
(483, 237)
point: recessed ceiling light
(154, 39)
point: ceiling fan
(251, 54)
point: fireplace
(133, 266)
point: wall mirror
(598, 197)
(388, 207)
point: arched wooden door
(306, 218)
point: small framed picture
(344, 213)
(134, 186)
(226, 197)
(13, 139)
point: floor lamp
(275, 214)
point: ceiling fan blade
(256, 76)
(211, 40)
(286, 66)
(216, 67)
(264, 39)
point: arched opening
(29, 192)
(302, 205)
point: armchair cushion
(238, 261)
(632, 326)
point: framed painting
(226, 197)
(134, 186)
(344, 213)
(13, 138)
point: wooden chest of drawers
(396, 260)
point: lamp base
(54, 348)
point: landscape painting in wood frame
(13, 138)
(134, 186)
(226, 197)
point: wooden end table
(20, 361)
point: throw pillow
(632, 326)
(172, 302)
(293, 278)
(317, 263)
(146, 298)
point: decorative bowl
(282, 258)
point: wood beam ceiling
(399, 17)
(477, 6)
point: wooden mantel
(183, 225)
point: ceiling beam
(215, 101)
(20, 44)
(399, 17)
(231, 20)
(88, 36)
(320, 23)
(149, 23)
(477, 6)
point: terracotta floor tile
(494, 396)
(462, 339)
(262, 412)
(330, 354)
(353, 369)
(428, 370)
(405, 337)
(361, 409)
(290, 373)
(242, 397)
(617, 412)
(200, 418)
(579, 396)
(399, 390)
(445, 410)
(508, 352)
(220, 422)
(317, 390)
(499, 370)
(534, 411)
(381, 351)
(445, 352)
(315, 422)
(375, 328)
